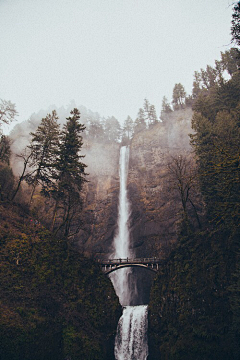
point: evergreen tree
(152, 116)
(235, 29)
(166, 107)
(146, 108)
(127, 131)
(139, 123)
(5, 149)
(112, 129)
(209, 77)
(43, 149)
(230, 61)
(196, 85)
(216, 144)
(178, 97)
(70, 172)
(95, 128)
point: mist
(107, 55)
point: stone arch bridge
(111, 265)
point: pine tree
(70, 172)
(146, 107)
(127, 129)
(95, 128)
(153, 120)
(216, 144)
(235, 29)
(5, 149)
(230, 61)
(196, 84)
(112, 129)
(166, 107)
(178, 97)
(139, 123)
(43, 149)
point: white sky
(107, 55)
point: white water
(131, 337)
(122, 238)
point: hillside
(55, 304)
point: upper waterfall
(131, 338)
(122, 240)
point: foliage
(230, 61)
(55, 304)
(149, 113)
(235, 29)
(5, 149)
(112, 129)
(178, 97)
(182, 178)
(70, 171)
(95, 128)
(52, 162)
(166, 107)
(192, 314)
(127, 130)
(216, 143)
(140, 123)
(7, 182)
(194, 306)
(8, 112)
(43, 153)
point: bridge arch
(142, 266)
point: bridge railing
(130, 260)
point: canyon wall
(154, 208)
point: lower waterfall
(131, 337)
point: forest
(55, 302)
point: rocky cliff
(154, 209)
(100, 199)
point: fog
(106, 55)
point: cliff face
(153, 208)
(100, 199)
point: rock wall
(154, 209)
(101, 199)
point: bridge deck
(130, 261)
(111, 265)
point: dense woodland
(195, 300)
(56, 304)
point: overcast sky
(107, 55)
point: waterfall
(122, 238)
(131, 337)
